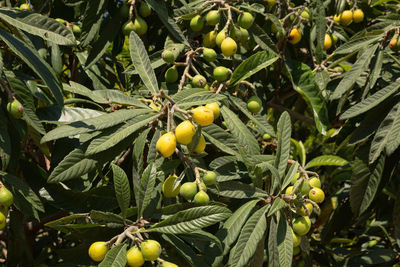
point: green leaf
(147, 185)
(365, 183)
(221, 139)
(263, 39)
(116, 97)
(252, 65)
(115, 257)
(357, 69)
(357, 43)
(240, 131)
(161, 9)
(251, 234)
(371, 101)
(132, 126)
(142, 64)
(304, 83)
(285, 242)
(320, 22)
(388, 130)
(239, 190)
(192, 219)
(37, 24)
(376, 70)
(326, 160)
(203, 99)
(74, 165)
(273, 253)
(5, 142)
(277, 205)
(284, 133)
(290, 175)
(92, 19)
(36, 63)
(122, 189)
(93, 124)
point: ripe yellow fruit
(25, 7)
(203, 116)
(228, 47)
(151, 249)
(184, 132)
(168, 264)
(166, 144)
(317, 195)
(315, 182)
(301, 225)
(209, 39)
(358, 15)
(98, 250)
(294, 36)
(289, 190)
(220, 38)
(346, 17)
(134, 257)
(302, 211)
(327, 42)
(336, 18)
(201, 145)
(168, 187)
(215, 108)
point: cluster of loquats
(6, 200)
(306, 194)
(136, 256)
(136, 22)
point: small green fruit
(60, 20)
(188, 190)
(2, 221)
(266, 137)
(210, 178)
(199, 81)
(139, 26)
(171, 75)
(305, 188)
(15, 108)
(168, 56)
(296, 250)
(151, 250)
(6, 197)
(254, 104)
(197, 23)
(301, 225)
(76, 30)
(315, 182)
(213, 17)
(168, 187)
(201, 198)
(144, 9)
(209, 39)
(245, 20)
(25, 7)
(209, 54)
(221, 74)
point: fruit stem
(191, 164)
(188, 63)
(9, 92)
(315, 205)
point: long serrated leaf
(371, 101)
(147, 187)
(122, 189)
(221, 139)
(37, 24)
(273, 253)
(142, 64)
(357, 44)
(277, 205)
(283, 150)
(354, 73)
(92, 19)
(250, 235)
(192, 219)
(93, 124)
(115, 257)
(285, 242)
(320, 22)
(388, 129)
(36, 63)
(326, 160)
(200, 100)
(290, 175)
(252, 65)
(234, 189)
(240, 131)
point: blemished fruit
(201, 145)
(144, 9)
(134, 257)
(168, 187)
(236, 34)
(151, 249)
(228, 47)
(166, 144)
(393, 44)
(203, 116)
(302, 211)
(6, 197)
(294, 36)
(15, 108)
(197, 23)
(168, 56)
(296, 250)
(25, 7)
(221, 74)
(254, 104)
(210, 178)
(327, 42)
(209, 39)
(266, 137)
(315, 182)
(2, 221)
(201, 198)
(168, 264)
(209, 54)
(346, 17)
(317, 195)
(215, 108)
(188, 190)
(213, 17)
(199, 81)
(296, 239)
(139, 26)
(358, 15)
(171, 75)
(184, 132)
(98, 250)
(301, 225)
(245, 20)
(220, 38)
